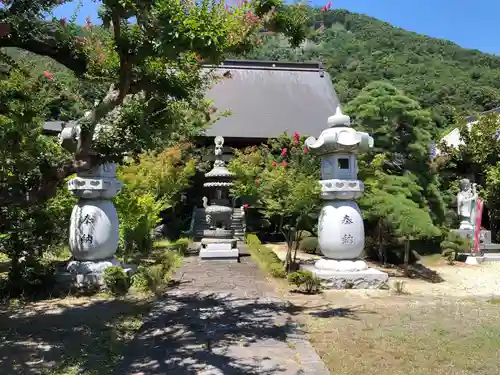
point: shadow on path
(214, 333)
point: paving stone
(221, 319)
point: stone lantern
(218, 240)
(93, 230)
(340, 229)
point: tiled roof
(267, 99)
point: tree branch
(46, 189)
(43, 38)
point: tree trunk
(298, 234)
(380, 239)
(406, 257)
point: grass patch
(396, 336)
(267, 259)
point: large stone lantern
(218, 240)
(93, 229)
(340, 229)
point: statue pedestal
(347, 274)
(88, 273)
(219, 249)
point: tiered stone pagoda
(340, 229)
(218, 240)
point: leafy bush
(181, 245)
(305, 280)
(277, 270)
(265, 257)
(138, 215)
(116, 280)
(309, 245)
(29, 278)
(157, 275)
(151, 186)
(454, 245)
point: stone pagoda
(218, 240)
(340, 229)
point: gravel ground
(461, 281)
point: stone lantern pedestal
(341, 233)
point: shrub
(156, 276)
(181, 245)
(309, 245)
(305, 280)
(116, 280)
(454, 245)
(265, 257)
(30, 278)
(277, 270)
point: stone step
(491, 257)
(490, 248)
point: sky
(471, 24)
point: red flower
(245, 206)
(257, 182)
(88, 22)
(284, 163)
(283, 152)
(274, 164)
(306, 150)
(48, 75)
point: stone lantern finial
(339, 119)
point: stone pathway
(222, 319)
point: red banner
(476, 245)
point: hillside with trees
(357, 49)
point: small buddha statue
(466, 198)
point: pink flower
(257, 182)
(63, 21)
(274, 164)
(296, 135)
(245, 206)
(284, 163)
(48, 75)
(306, 150)
(283, 152)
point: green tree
(282, 178)
(26, 154)
(148, 53)
(478, 157)
(390, 206)
(403, 132)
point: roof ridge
(270, 65)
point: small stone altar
(218, 240)
(341, 234)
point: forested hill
(357, 49)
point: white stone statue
(466, 198)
